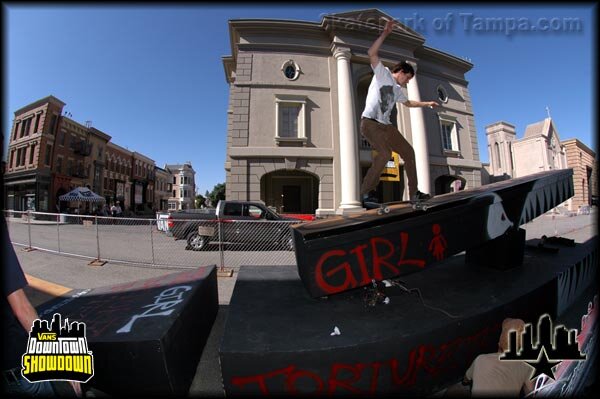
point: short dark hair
(404, 67)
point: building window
(290, 70)
(449, 134)
(53, 124)
(442, 95)
(290, 119)
(59, 165)
(31, 153)
(37, 122)
(15, 133)
(48, 154)
(69, 167)
(25, 127)
(21, 156)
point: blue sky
(153, 79)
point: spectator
(492, 376)
(116, 210)
(18, 315)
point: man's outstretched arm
(374, 49)
(414, 104)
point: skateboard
(384, 207)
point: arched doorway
(290, 191)
(449, 184)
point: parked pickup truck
(241, 222)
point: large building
(541, 149)
(117, 175)
(183, 186)
(30, 178)
(49, 154)
(296, 93)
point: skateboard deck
(386, 207)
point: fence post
(97, 261)
(222, 272)
(58, 230)
(28, 230)
(221, 254)
(152, 242)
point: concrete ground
(52, 275)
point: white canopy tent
(83, 194)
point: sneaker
(419, 196)
(370, 197)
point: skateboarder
(384, 91)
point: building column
(350, 198)
(419, 137)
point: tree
(200, 200)
(217, 193)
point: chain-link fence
(227, 243)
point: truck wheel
(196, 242)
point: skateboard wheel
(424, 207)
(380, 211)
(386, 210)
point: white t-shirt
(383, 93)
(492, 376)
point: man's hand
(389, 27)
(374, 49)
(432, 104)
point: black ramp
(146, 336)
(277, 339)
(342, 253)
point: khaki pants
(385, 139)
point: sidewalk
(70, 272)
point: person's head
(403, 72)
(508, 325)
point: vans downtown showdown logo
(58, 352)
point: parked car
(241, 222)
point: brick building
(584, 163)
(49, 154)
(117, 181)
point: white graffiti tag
(162, 306)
